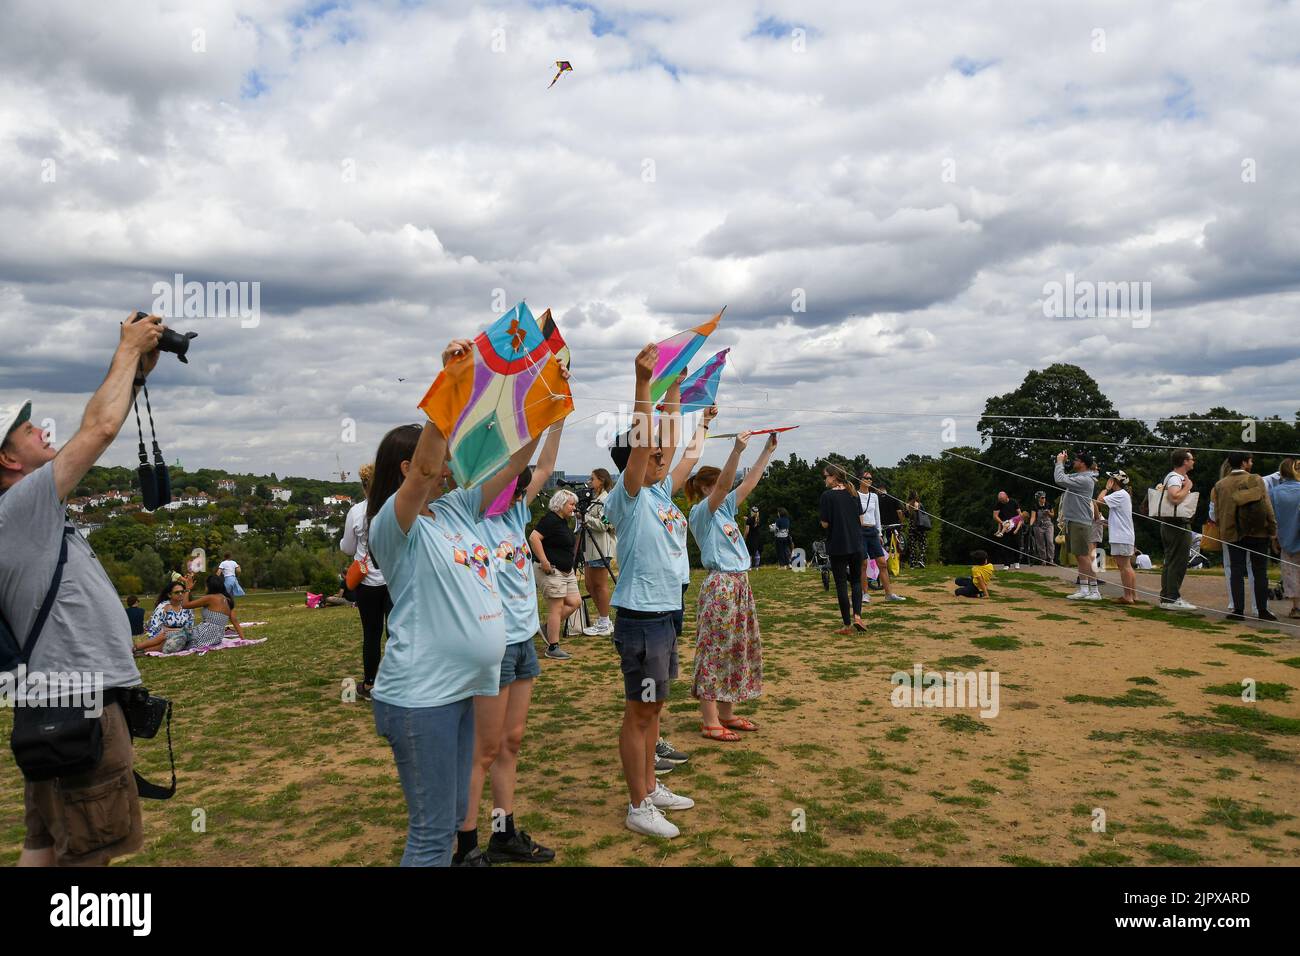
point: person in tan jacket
(1246, 524)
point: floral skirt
(728, 652)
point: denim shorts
(600, 562)
(871, 546)
(647, 652)
(520, 662)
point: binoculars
(178, 343)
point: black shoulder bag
(50, 739)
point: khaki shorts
(1121, 550)
(559, 583)
(1078, 537)
(91, 818)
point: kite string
(1054, 563)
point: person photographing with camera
(58, 607)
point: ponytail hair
(706, 477)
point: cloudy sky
(878, 194)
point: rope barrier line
(1248, 451)
(1097, 576)
(1136, 514)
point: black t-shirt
(1009, 510)
(136, 616)
(840, 510)
(557, 540)
(753, 530)
(889, 508)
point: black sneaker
(662, 766)
(1267, 616)
(1234, 616)
(664, 751)
(520, 848)
(363, 691)
(474, 857)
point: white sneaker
(1077, 595)
(897, 597)
(1015, 567)
(665, 799)
(1006, 567)
(592, 630)
(1092, 596)
(866, 598)
(602, 628)
(1181, 605)
(650, 820)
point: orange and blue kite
(500, 396)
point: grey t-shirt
(1078, 485)
(86, 630)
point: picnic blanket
(226, 642)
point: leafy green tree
(147, 566)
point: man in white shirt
(872, 545)
(229, 569)
(1176, 533)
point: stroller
(822, 561)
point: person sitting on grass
(170, 618)
(981, 575)
(135, 614)
(499, 721)
(172, 628)
(728, 651)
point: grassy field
(1130, 713)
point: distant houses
(226, 484)
(280, 494)
(334, 500)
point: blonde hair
(366, 473)
(560, 499)
(705, 477)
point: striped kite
(675, 352)
(561, 67)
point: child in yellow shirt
(981, 575)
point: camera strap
(153, 791)
(24, 650)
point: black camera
(145, 713)
(178, 343)
(582, 490)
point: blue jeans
(232, 586)
(434, 750)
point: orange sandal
(718, 733)
(739, 723)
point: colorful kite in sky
(676, 352)
(499, 397)
(561, 67)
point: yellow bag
(1210, 537)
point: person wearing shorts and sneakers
(499, 721)
(599, 543)
(1076, 515)
(1123, 537)
(89, 818)
(555, 547)
(873, 547)
(651, 538)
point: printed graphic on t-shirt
(509, 553)
(476, 559)
(731, 532)
(670, 518)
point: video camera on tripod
(582, 490)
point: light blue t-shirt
(1285, 496)
(651, 547)
(722, 544)
(507, 536)
(446, 632)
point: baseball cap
(11, 416)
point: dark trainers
(520, 848)
(664, 751)
(662, 766)
(556, 653)
(474, 857)
(363, 691)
